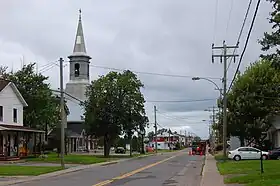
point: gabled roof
(76, 111)
(5, 83)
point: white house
(15, 139)
(273, 133)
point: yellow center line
(134, 171)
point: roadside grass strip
(248, 172)
(14, 170)
(83, 159)
(69, 159)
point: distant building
(166, 140)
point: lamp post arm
(212, 83)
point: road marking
(135, 171)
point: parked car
(120, 150)
(274, 154)
(247, 153)
(149, 149)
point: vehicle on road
(247, 153)
(149, 149)
(199, 147)
(274, 154)
(120, 150)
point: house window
(77, 69)
(15, 115)
(1, 113)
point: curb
(202, 168)
(69, 170)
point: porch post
(17, 143)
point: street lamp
(209, 80)
(224, 114)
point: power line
(246, 43)
(180, 101)
(241, 30)
(151, 73)
(215, 20)
(229, 16)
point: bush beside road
(248, 172)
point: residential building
(164, 140)
(16, 140)
(273, 134)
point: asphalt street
(165, 169)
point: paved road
(166, 169)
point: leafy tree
(115, 106)
(197, 138)
(120, 142)
(143, 123)
(253, 100)
(151, 135)
(135, 143)
(272, 40)
(3, 70)
(43, 106)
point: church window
(77, 69)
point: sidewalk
(210, 174)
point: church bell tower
(79, 65)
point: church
(79, 79)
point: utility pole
(62, 114)
(186, 139)
(224, 57)
(169, 131)
(155, 112)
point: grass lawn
(248, 172)
(13, 170)
(79, 158)
(70, 159)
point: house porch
(18, 141)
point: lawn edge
(202, 167)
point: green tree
(115, 106)
(42, 104)
(253, 100)
(271, 40)
(3, 70)
(120, 142)
(143, 123)
(135, 143)
(151, 135)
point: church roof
(76, 111)
(79, 45)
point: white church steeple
(79, 65)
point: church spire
(79, 46)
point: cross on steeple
(80, 14)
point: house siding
(10, 101)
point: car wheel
(278, 158)
(237, 158)
(264, 157)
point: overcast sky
(160, 36)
